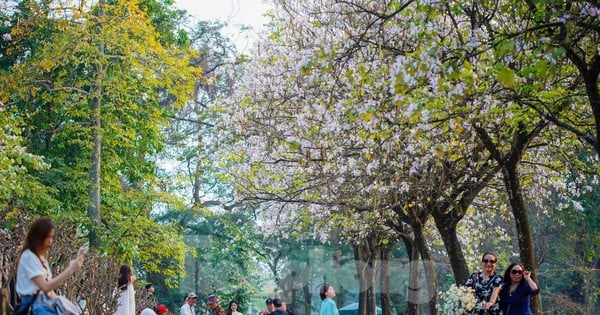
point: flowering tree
(333, 127)
(396, 111)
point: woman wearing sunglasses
(486, 284)
(516, 291)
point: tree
(89, 59)
(570, 30)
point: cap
(268, 300)
(277, 302)
(212, 299)
(161, 309)
(191, 295)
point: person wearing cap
(215, 308)
(188, 307)
(158, 310)
(270, 307)
(278, 303)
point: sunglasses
(516, 272)
(488, 261)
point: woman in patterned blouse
(487, 284)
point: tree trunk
(367, 263)
(94, 190)
(412, 305)
(307, 299)
(428, 267)
(384, 280)
(337, 257)
(196, 186)
(589, 74)
(456, 256)
(95, 171)
(526, 251)
(594, 300)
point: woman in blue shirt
(328, 306)
(517, 290)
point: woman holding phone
(35, 282)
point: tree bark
(526, 251)
(412, 304)
(428, 267)
(95, 171)
(456, 256)
(384, 280)
(366, 256)
(307, 299)
(94, 191)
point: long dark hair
(124, 278)
(323, 290)
(229, 312)
(506, 280)
(36, 235)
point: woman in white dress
(126, 292)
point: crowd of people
(509, 294)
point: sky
(235, 12)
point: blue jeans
(41, 306)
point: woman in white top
(126, 291)
(233, 308)
(34, 276)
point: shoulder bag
(63, 306)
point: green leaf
(507, 77)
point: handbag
(63, 306)
(24, 308)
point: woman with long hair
(233, 308)
(126, 291)
(517, 290)
(35, 281)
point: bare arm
(493, 298)
(532, 284)
(48, 286)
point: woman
(34, 276)
(487, 284)
(328, 306)
(126, 292)
(516, 291)
(233, 309)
